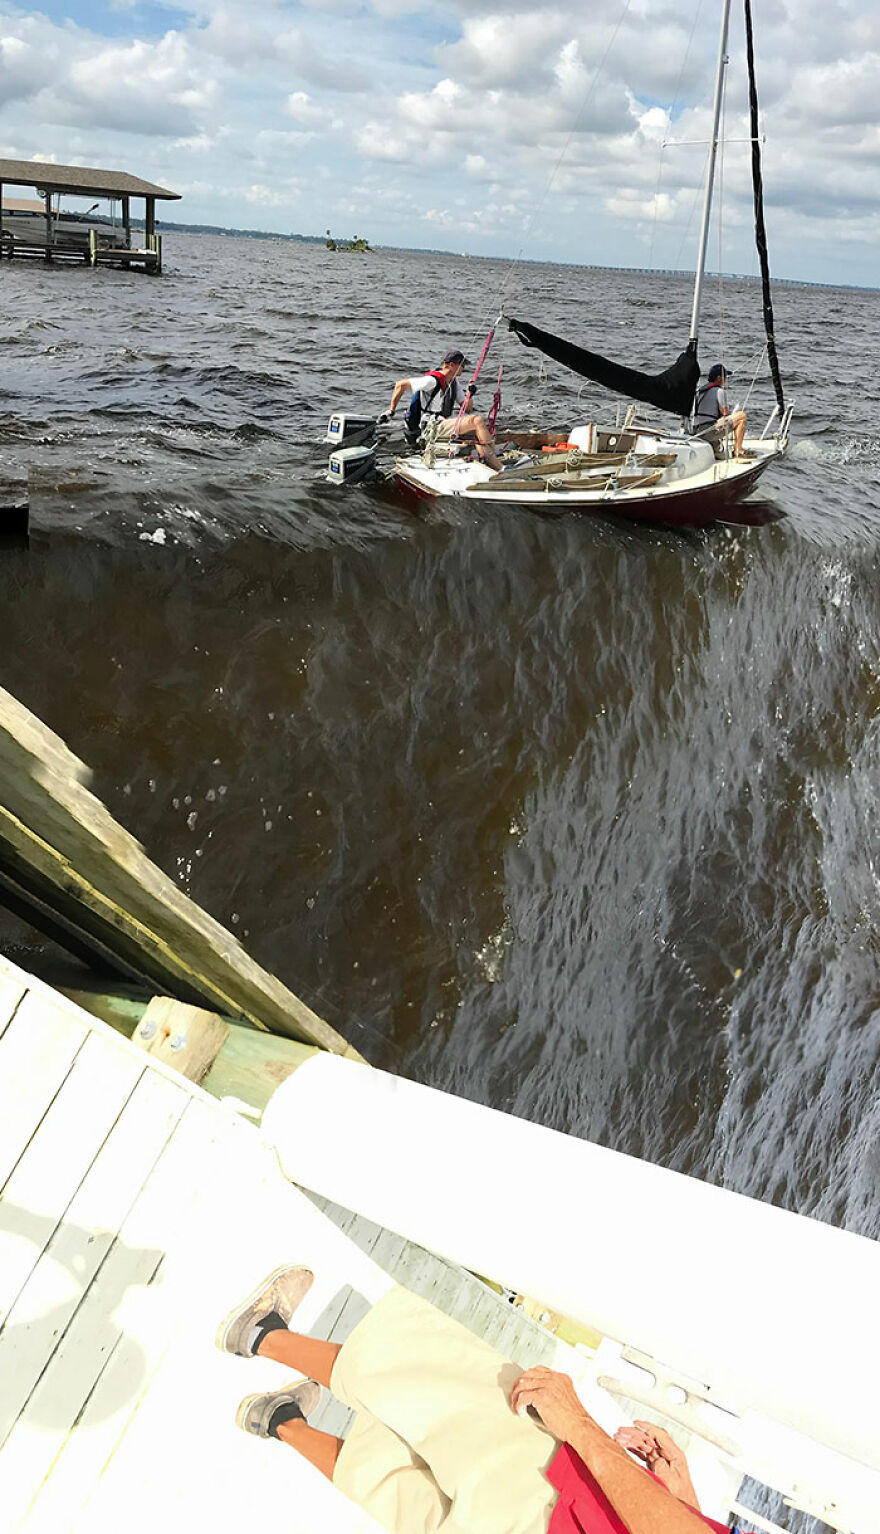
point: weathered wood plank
(37, 1051)
(80, 1243)
(59, 844)
(188, 1039)
(59, 1155)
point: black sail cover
(673, 390)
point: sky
(561, 132)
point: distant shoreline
(587, 266)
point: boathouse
(101, 236)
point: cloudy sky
(573, 133)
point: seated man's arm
(397, 392)
(644, 1505)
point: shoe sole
(265, 1283)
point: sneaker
(298, 1397)
(277, 1296)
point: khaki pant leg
(446, 1393)
(376, 1469)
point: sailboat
(636, 469)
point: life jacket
(698, 401)
(412, 421)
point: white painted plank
(12, 989)
(59, 1155)
(249, 1223)
(122, 1301)
(36, 1053)
(68, 1265)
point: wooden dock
(38, 227)
(135, 1210)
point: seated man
(712, 417)
(449, 1436)
(440, 395)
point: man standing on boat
(441, 396)
(712, 417)
(450, 1437)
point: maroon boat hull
(682, 508)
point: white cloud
(478, 166)
(266, 196)
(567, 111)
(303, 109)
(139, 87)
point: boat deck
(135, 1211)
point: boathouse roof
(80, 180)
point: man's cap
(453, 355)
(719, 372)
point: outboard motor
(353, 465)
(345, 430)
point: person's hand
(471, 389)
(656, 1449)
(383, 417)
(553, 1397)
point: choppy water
(571, 816)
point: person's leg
(379, 1471)
(308, 1355)
(283, 1414)
(739, 431)
(372, 1466)
(446, 1393)
(320, 1449)
(486, 446)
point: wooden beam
(187, 1038)
(126, 218)
(149, 219)
(61, 847)
(48, 201)
(250, 1063)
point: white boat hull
(695, 490)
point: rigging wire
(720, 227)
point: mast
(710, 177)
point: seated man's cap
(453, 355)
(719, 372)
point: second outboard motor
(353, 465)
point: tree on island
(357, 242)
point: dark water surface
(569, 816)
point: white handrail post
(710, 177)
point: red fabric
(583, 1507)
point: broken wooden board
(71, 869)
